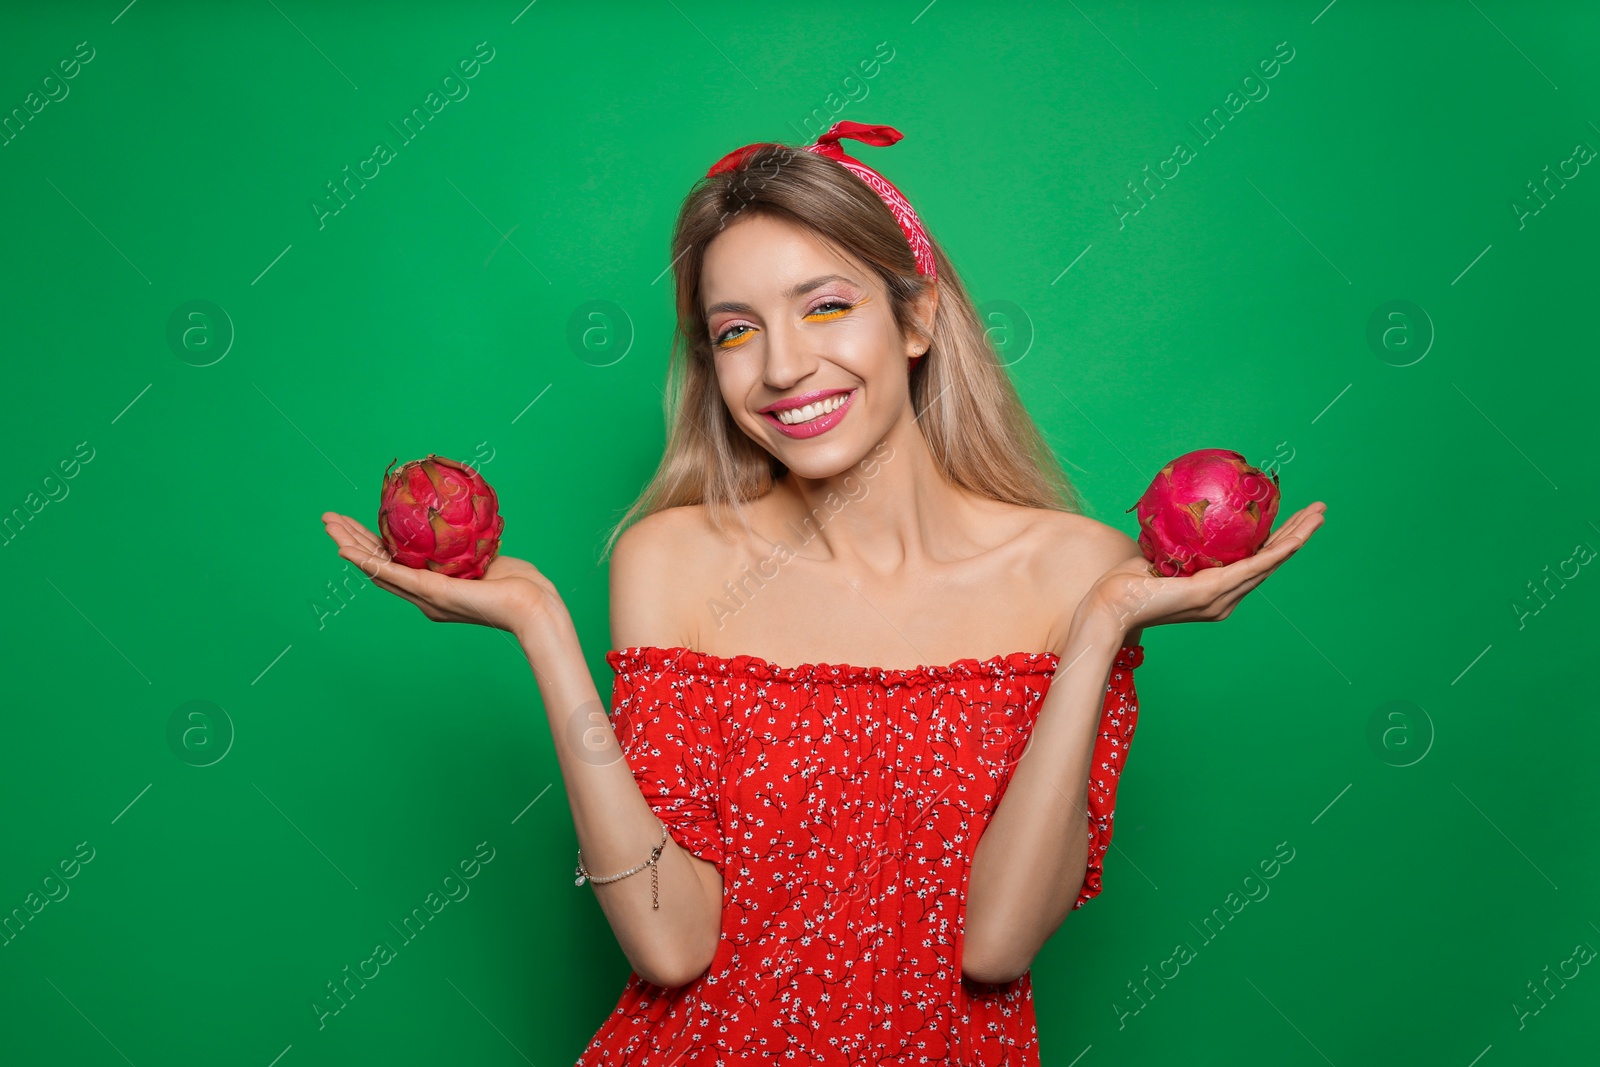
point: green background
(1442, 859)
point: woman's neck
(892, 512)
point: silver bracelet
(581, 875)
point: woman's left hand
(1135, 598)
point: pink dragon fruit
(1206, 508)
(441, 515)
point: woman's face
(790, 317)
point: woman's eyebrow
(799, 290)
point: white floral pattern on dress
(842, 805)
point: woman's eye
(826, 311)
(728, 339)
(821, 310)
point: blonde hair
(980, 435)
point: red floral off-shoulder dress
(842, 805)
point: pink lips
(816, 426)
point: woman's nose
(788, 357)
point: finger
(354, 533)
(1290, 528)
(362, 530)
(1299, 527)
(340, 531)
(401, 593)
(346, 530)
(1258, 566)
(364, 556)
(405, 579)
(1305, 526)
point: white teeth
(798, 415)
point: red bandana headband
(828, 145)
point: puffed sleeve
(667, 729)
(1118, 716)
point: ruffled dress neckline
(687, 660)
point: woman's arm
(615, 825)
(1030, 861)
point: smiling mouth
(802, 415)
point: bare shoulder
(654, 565)
(1090, 541)
(1075, 551)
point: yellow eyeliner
(819, 316)
(829, 316)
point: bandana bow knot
(828, 145)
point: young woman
(873, 667)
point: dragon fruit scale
(1207, 508)
(441, 515)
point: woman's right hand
(511, 594)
